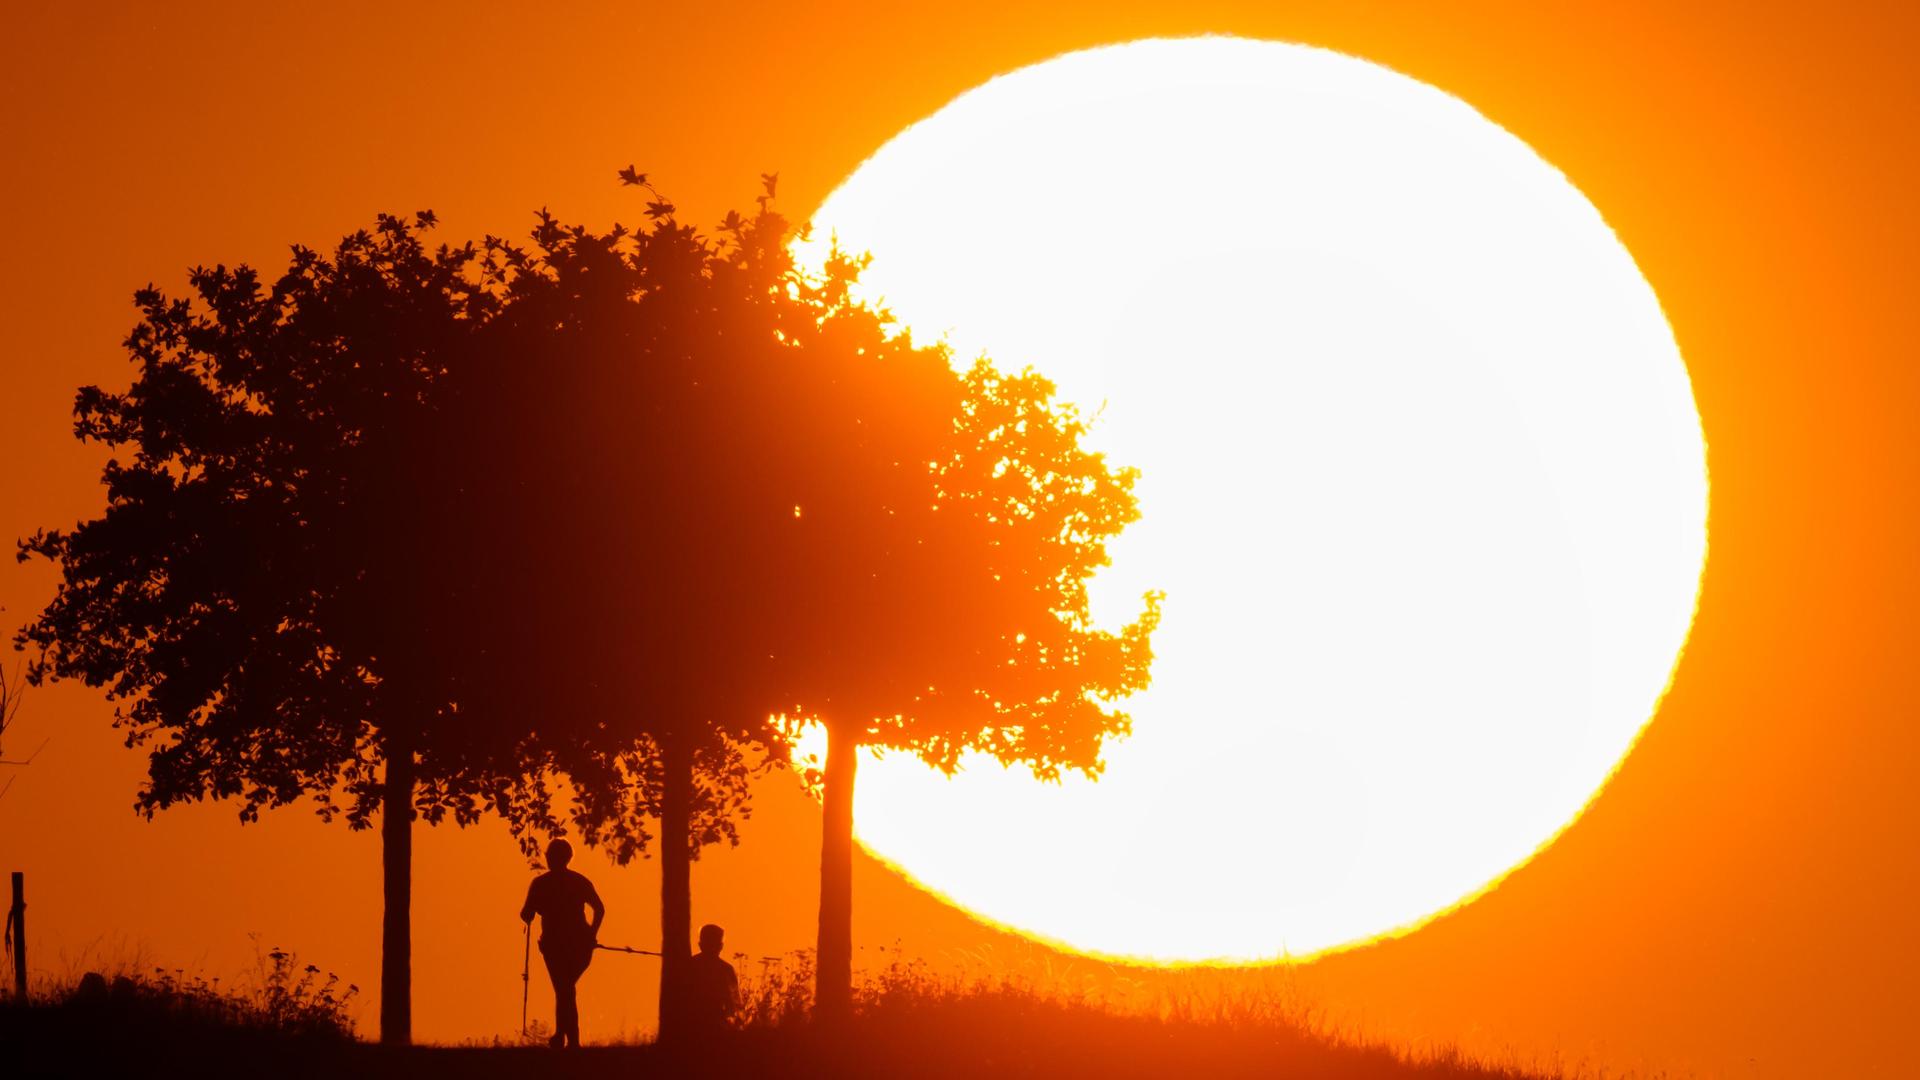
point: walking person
(561, 897)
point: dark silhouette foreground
(904, 1032)
(713, 990)
(561, 897)
(409, 530)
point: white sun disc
(1421, 476)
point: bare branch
(29, 757)
(12, 692)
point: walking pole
(625, 949)
(526, 967)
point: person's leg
(570, 1013)
(566, 1013)
(573, 998)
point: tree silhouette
(937, 598)
(737, 492)
(238, 598)
(411, 530)
(599, 453)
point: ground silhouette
(909, 1028)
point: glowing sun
(1422, 479)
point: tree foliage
(239, 596)
(229, 598)
(936, 599)
(621, 506)
(726, 490)
(591, 460)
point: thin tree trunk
(676, 886)
(833, 986)
(396, 857)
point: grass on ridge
(295, 1022)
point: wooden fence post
(17, 926)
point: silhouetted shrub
(909, 1019)
(285, 998)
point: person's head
(711, 938)
(559, 854)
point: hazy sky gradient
(1738, 902)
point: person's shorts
(574, 954)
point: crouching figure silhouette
(713, 990)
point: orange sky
(1738, 902)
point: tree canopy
(226, 598)
(719, 489)
(936, 599)
(586, 502)
(414, 530)
(235, 596)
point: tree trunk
(676, 886)
(396, 856)
(833, 986)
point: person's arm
(526, 909)
(599, 910)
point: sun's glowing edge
(1701, 544)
